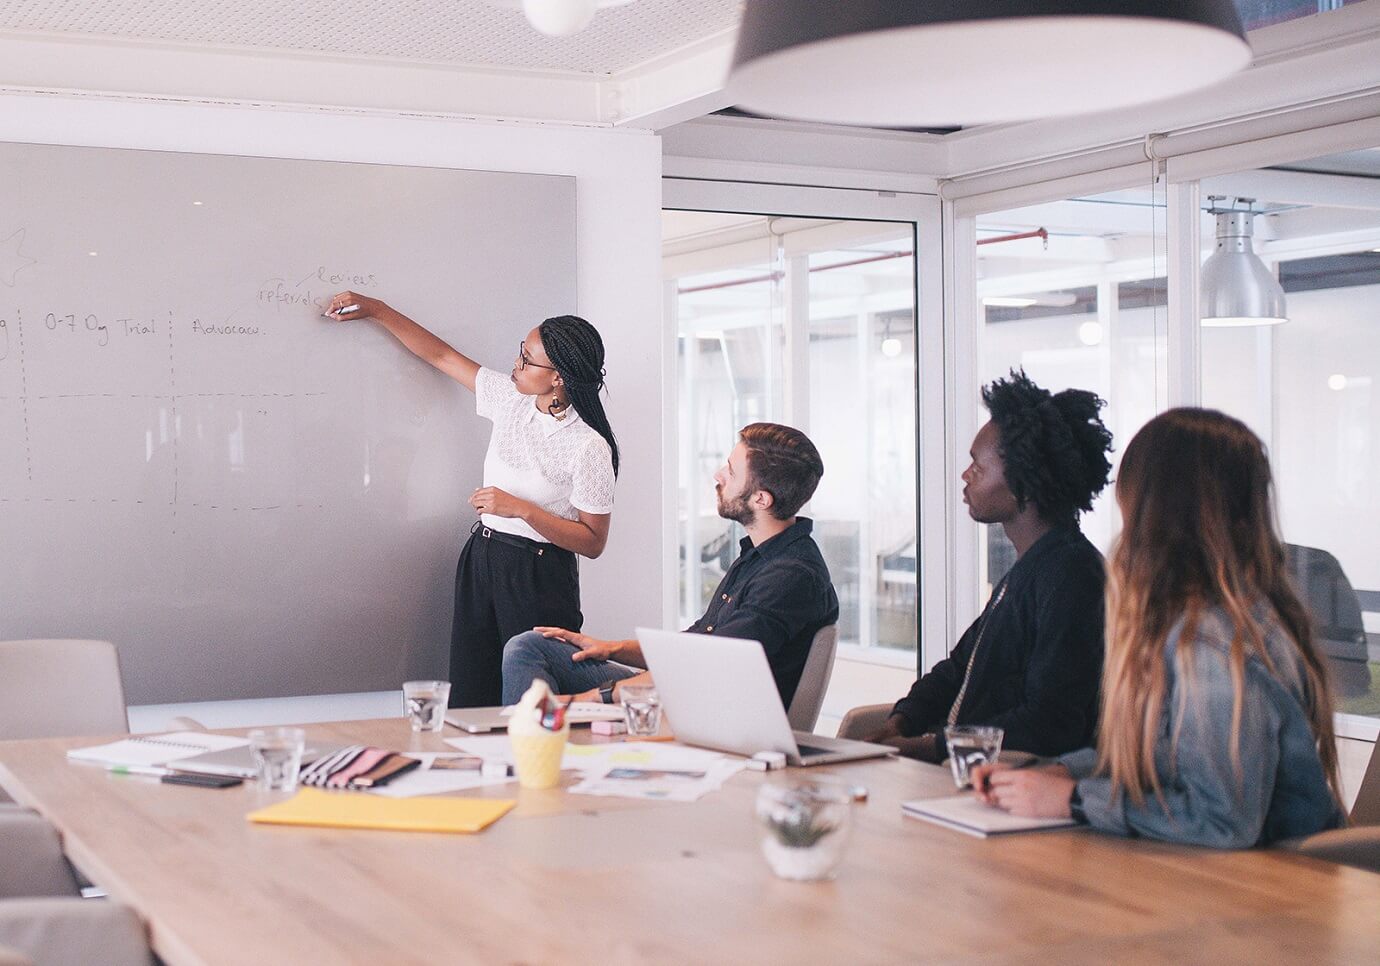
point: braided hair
(1053, 446)
(576, 350)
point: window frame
(934, 514)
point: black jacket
(778, 594)
(1038, 671)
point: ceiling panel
(459, 32)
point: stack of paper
(683, 784)
(628, 769)
(431, 780)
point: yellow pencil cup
(538, 757)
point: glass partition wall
(808, 322)
(1074, 291)
(1310, 387)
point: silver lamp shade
(1237, 288)
(931, 63)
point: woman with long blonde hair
(1216, 721)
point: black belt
(512, 539)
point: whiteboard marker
(347, 308)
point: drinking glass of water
(424, 704)
(641, 708)
(971, 745)
(277, 757)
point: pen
(138, 770)
(1018, 764)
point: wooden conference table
(573, 879)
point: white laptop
(238, 762)
(719, 693)
(477, 721)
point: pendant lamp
(935, 63)
(1237, 288)
(558, 18)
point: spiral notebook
(967, 814)
(152, 750)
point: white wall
(618, 200)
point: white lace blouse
(563, 466)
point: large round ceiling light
(934, 63)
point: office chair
(1365, 810)
(1336, 613)
(43, 919)
(864, 720)
(71, 932)
(814, 680)
(60, 688)
(34, 865)
(63, 688)
(1359, 845)
(1356, 847)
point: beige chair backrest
(67, 931)
(60, 688)
(34, 864)
(1366, 809)
(814, 680)
(1358, 847)
(863, 722)
(13, 957)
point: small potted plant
(806, 828)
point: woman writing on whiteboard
(548, 486)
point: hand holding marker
(343, 310)
(346, 303)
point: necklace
(972, 656)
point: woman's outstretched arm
(420, 342)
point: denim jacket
(1280, 791)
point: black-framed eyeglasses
(524, 360)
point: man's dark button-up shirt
(779, 594)
(1038, 669)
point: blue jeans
(529, 656)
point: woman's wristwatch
(606, 692)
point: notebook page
(155, 749)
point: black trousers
(505, 585)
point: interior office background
(833, 278)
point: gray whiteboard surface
(251, 501)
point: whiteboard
(248, 500)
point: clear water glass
(971, 745)
(277, 757)
(424, 704)
(641, 709)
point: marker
(138, 770)
(347, 308)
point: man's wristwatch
(606, 692)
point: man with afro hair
(1031, 663)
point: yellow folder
(311, 806)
